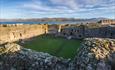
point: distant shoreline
(45, 22)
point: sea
(50, 22)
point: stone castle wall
(82, 31)
(13, 33)
(107, 22)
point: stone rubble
(94, 54)
(26, 59)
(9, 48)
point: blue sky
(57, 8)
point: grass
(55, 46)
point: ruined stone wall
(107, 22)
(86, 32)
(13, 33)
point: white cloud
(38, 7)
(66, 6)
(72, 4)
(59, 8)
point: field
(60, 47)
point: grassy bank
(56, 46)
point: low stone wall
(13, 33)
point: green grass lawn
(56, 46)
